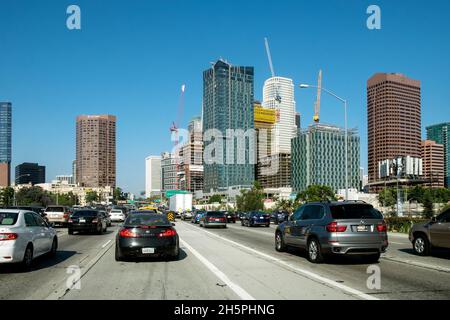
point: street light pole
(344, 101)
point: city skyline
(62, 82)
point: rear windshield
(354, 211)
(81, 213)
(147, 220)
(215, 214)
(8, 218)
(258, 213)
(116, 211)
(54, 209)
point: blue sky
(131, 57)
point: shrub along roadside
(403, 224)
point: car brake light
(168, 233)
(335, 227)
(127, 233)
(8, 236)
(66, 215)
(382, 227)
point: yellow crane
(317, 103)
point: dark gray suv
(334, 228)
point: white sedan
(24, 236)
(117, 215)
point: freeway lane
(222, 264)
(208, 269)
(398, 280)
(49, 274)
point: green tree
(316, 193)
(7, 196)
(33, 196)
(428, 200)
(92, 196)
(217, 198)
(388, 198)
(251, 200)
(68, 199)
(118, 195)
(286, 205)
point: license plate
(148, 251)
(362, 228)
(262, 218)
(82, 221)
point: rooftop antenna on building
(272, 70)
(317, 103)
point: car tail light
(70, 221)
(382, 227)
(8, 236)
(127, 233)
(95, 221)
(335, 227)
(168, 233)
(66, 215)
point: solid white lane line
(244, 295)
(103, 246)
(307, 273)
(399, 243)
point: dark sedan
(147, 235)
(253, 219)
(87, 221)
(231, 217)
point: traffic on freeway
(324, 250)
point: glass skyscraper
(5, 143)
(228, 95)
(318, 158)
(440, 134)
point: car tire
(100, 230)
(117, 255)
(176, 256)
(280, 245)
(70, 231)
(314, 251)
(54, 248)
(421, 245)
(242, 223)
(373, 258)
(267, 225)
(27, 262)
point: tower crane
(272, 70)
(317, 103)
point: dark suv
(334, 228)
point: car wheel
(242, 223)
(54, 248)
(373, 258)
(117, 255)
(99, 229)
(176, 255)
(314, 251)
(106, 228)
(267, 225)
(27, 261)
(421, 245)
(70, 231)
(280, 246)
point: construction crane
(272, 70)
(317, 103)
(175, 125)
(174, 129)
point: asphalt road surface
(223, 264)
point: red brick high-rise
(394, 119)
(96, 151)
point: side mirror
(51, 224)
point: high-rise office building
(278, 94)
(394, 120)
(433, 163)
(169, 172)
(191, 162)
(96, 151)
(318, 158)
(30, 173)
(228, 95)
(5, 143)
(440, 133)
(152, 176)
(65, 179)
